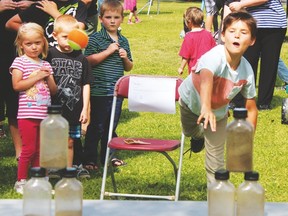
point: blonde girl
(32, 78)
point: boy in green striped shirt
(109, 54)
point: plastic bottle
(239, 143)
(37, 194)
(221, 195)
(68, 194)
(54, 139)
(250, 196)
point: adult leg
(211, 10)
(282, 71)
(11, 102)
(271, 43)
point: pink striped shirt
(34, 101)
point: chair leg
(172, 162)
(111, 170)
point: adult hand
(7, 5)
(49, 7)
(235, 6)
(24, 4)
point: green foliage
(155, 44)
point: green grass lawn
(155, 44)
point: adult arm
(14, 23)
(235, 6)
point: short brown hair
(194, 15)
(243, 16)
(111, 5)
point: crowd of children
(46, 70)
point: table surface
(140, 208)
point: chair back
(122, 85)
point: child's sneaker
(19, 185)
(137, 21)
(130, 22)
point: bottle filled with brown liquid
(68, 194)
(239, 143)
(54, 131)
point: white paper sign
(152, 94)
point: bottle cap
(54, 109)
(251, 176)
(240, 113)
(38, 172)
(222, 174)
(69, 172)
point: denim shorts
(75, 131)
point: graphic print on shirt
(69, 10)
(67, 72)
(38, 93)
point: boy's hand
(208, 117)
(180, 71)
(83, 117)
(113, 47)
(122, 53)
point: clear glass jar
(54, 133)
(239, 143)
(37, 194)
(221, 195)
(250, 196)
(68, 194)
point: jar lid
(69, 172)
(54, 109)
(251, 176)
(240, 113)
(222, 174)
(38, 172)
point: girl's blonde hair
(30, 28)
(65, 22)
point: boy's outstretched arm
(206, 88)
(252, 111)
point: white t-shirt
(227, 83)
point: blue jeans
(98, 128)
(282, 71)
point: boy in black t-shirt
(72, 74)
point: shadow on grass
(127, 115)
